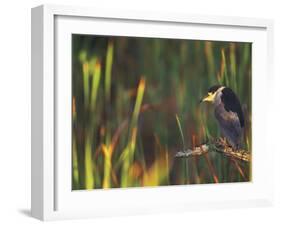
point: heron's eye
(210, 93)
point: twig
(239, 168)
(215, 146)
(211, 169)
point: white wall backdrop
(15, 111)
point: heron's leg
(223, 141)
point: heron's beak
(209, 98)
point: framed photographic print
(137, 112)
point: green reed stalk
(180, 129)
(89, 176)
(108, 68)
(225, 75)
(75, 172)
(128, 152)
(86, 83)
(233, 64)
(107, 151)
(95, 84)
(210, 60)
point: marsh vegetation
(135, 103)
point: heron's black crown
(214, 88)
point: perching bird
(228, 113)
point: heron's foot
(244, 152)
(223, 142)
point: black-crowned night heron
(228, 113)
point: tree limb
(216, 146)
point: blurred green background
(126, 94)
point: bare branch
(216, 146)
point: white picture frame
(52, 197)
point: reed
(95, 84)
(89, 176)
(128, 153)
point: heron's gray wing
(232, 122)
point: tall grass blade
(86, 83)
(95, 84)
(75, 170)
(89, 176)
(108, 68)
(128, 159)
(225, 75)
(210, 60)
(128, 152)
(107, 151)
(233, 67)
(138, 103)
(181, 133)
